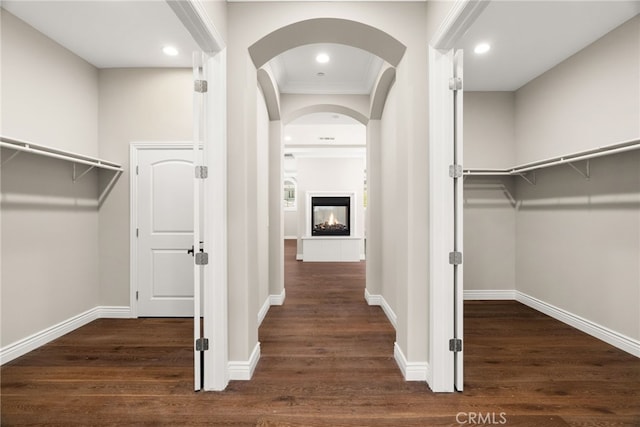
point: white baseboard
(379, 300)
(616, 339)
(32, 342)
(412, 371)
(603, 333)
(263, 310)
(290, 237)
(278, 299)
(299, 257)
(114, 312)
(243, 370)
(363, 257)
(497, 294)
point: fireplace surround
(332, 231)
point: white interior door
(165, 232)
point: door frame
(134, 148)
(441, 373)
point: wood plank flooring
(327, 360)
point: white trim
(243, 370)
(268, 302)
(412, 371)
(32, 342)
(457, 22)
(441, 219)
(493, 294)
(114, 312)
(380, 301)
(616, 339)
(276, 299)
(264, 310)
(290, 237)
(299, 257)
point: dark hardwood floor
(327, 359)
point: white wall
(49, 224)
(135, 105)
(389, 193)
(262, 176)
(329, 174)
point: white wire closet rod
(559, 160)
(42, 150)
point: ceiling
(108, 33)
(527, 37)
(349, 71)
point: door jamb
(461, 16)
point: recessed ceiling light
(322, 58)
(170, 51)
(482, 48)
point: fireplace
(330, 216)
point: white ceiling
(349, 71)
(111, 33)
(528, 38)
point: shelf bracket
(531, 181)
(586, 174)
(75, 174)
(11, 157)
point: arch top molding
(326, 108)
(327, 30)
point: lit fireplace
(330, 216)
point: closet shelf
(42, 150)
(568, 159)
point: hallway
(327, 360)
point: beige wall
(489, 130)
(590, 100)
(49, 95)
(247, 23)
(578, 241)
(262, 183)
(49, 223)
(135, 105)
(571, 243)
(489, 214)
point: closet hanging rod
(23, 146)
(560, 160)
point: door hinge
(202, 344)
(202, 258)
(455, 258)
(202, 172)
(455, 83)
(137, 232)
(455, 345)
(455, 171)
(137, 170)
(137, 295)
(200, 86)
